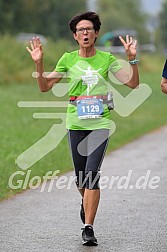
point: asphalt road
(132, 214)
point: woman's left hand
(130, 46)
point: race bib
(90, 108)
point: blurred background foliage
(124, 14)
(163, 24)
(51, 18)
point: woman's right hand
(35, 50)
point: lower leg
(91, 202)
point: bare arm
(45, 82)
(122, 75)
(164, 85)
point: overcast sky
(152, 6)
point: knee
(92, 180)
(89, 180)
(79, 179)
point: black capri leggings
(88, 148)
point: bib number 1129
(90, 108)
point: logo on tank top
(91, 76)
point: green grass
(19, 130)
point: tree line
(51, 17)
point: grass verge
(19, 130)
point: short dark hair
(91, 16)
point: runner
(164, 79)
(88, 115)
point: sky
(152, 6)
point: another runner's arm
(164, 79)
(164, 85)
(45, 82)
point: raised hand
(130, 46)
(35, 50)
